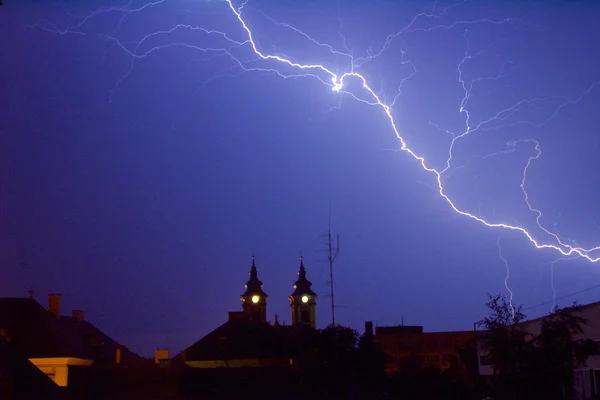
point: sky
(146, 152)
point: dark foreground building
(70, 355)
(251, 358)
(248, 340)
(20, 379)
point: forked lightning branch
(281, 66)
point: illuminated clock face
(305, 299)
(255, 299)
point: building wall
(298, 307)
(590, 331)
(485, 367)
(160, 355)
(58, 373)
(57, 369)
(413, 347)
(256, 311)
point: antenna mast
(332, 250)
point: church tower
(254, 300)
(303, 300)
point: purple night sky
(142, 162)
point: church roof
(249, 340)
(302, 285)
(254, 285)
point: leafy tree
(338, 357)
(506, 343)
(371, 361)
(337, 343)
(544, 363)
(560, 350)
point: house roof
(528, 323)
(37, 333)
(249, 340)
(95, 344)
(582, 307)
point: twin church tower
(302, 299)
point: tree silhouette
(540, 364)
(337, 345)
(560, 349)
(506, 343)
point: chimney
(118, 356)
(369, 328)
(160, 355)
(77, 315)
(54, 304)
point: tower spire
(254, 299)
(302, 271)
(253, 272)
(303, 299)
(302, 285)
(254, 285)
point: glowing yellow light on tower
(305, 299)
(255, 299)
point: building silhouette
(62, 347)
(247, 339)
(303, 300)
(409, 347)
(254, 299)
(21, 379)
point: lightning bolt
(552, 264)
(510, 299)
(337, 82)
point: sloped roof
(36, 333)
(529, 323)
(249, 340)
(582, 308)
(96, 345)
